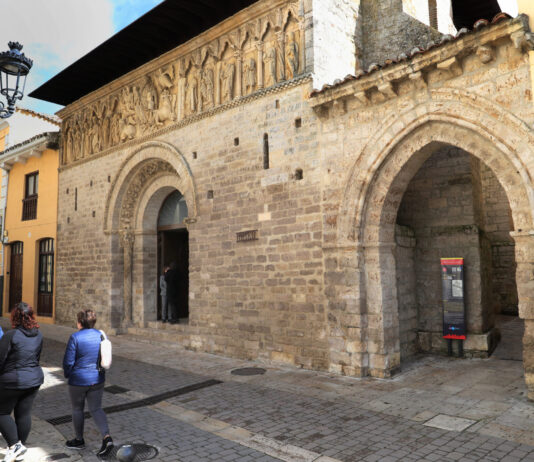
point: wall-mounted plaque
(452, 273)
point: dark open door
(45, 298)
(15, 274)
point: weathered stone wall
(439, 206)
(261, 298)
(388, 31)
(406, 290)
(498, 225)
(319, 287)
(335, 24)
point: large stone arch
(149, 173)
(165, 158)
(376, 185)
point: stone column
(383, 342)
(180, 103)
(281, 38)
(217, 78)
(524, 255)
(239, 71)
(302, 44)
(259, 67)
(127, 239)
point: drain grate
(116, 389)
(133, 452)
(142, 402)
(249, 371)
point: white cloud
(509, 6)
(23, 127)
(55, 33)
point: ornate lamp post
(14, 68)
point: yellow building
(29, 195)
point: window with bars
(46, 277)
(29, 203)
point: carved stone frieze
(140, 180)
(259, 54)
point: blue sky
(55, 33)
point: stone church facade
(315, 218)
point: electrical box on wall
(452, 274)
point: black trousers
(21, 402)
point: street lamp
(14, 68)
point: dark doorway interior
(15, 276)
(173, 246)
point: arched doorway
(173, 253)
(149, 176)
(368, 217)
(454, 206)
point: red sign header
(452, 261)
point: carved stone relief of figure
(164, 113)
(228, 82)
(67, 156)
(292, 56)
(106, 127)
(78, 140)
(270, 67)
(207, 89)
(192, 91)
(94, 136)
(250, 76)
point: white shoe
(14, 452)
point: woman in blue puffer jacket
(86, 381)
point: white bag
(105, 351)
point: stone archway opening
(454, 206)
(173, 259)
(151, 174)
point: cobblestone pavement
(294, 415)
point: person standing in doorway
(20, 378)
(86, 381)
(172, 281)
(163, 292)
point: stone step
(156, 336)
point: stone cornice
(246, 15)
(303, 79)
(382, 84)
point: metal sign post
(454, 326)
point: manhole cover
(249, 371)
(133, 452)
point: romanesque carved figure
(94, 135)
(270, 67)
(164, 113)
(292, 56)
(192, 92)
(250, 76)
(228, 82)
(207, 89)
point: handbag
(104, 356)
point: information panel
(452, 271)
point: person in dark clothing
(86, 381)
(172, 279)
(20, 378)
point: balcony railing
(29, 208)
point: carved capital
(126, 239)
(362, 98)
(260, 45)
(418, 79)
(486, 53)
(452, 65)
(523, 40)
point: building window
(46, 278)
(29, 203)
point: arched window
(45, 298)
(173, 211)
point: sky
(55, 33)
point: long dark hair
(22, 315)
